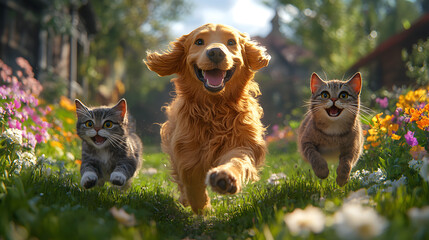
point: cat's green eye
(325, 95)
(344, 95)
(108, 124)
(89, 124)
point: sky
(249, 16)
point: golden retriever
(213, 134)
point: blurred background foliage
(336, 33)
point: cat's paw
(321, 170)
(118, 178)
(341, 181)
(222, 181)
(89, 180)
(343, 174)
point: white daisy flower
(415, 164)
(301, 222)
(276, 177)
(353, 221)
(15, 135)
(26, 159)
(424, 170)
(419, 217)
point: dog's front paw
(118, 178)
(222, 181)
(89, 180)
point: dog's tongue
(214, 77)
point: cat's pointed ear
(315, 83)
(121, 107)
(80, 107)
(355, 82)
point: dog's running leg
(196, 193)
(234, 170)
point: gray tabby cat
(110, 148)
(332, 127)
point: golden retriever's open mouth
(214, 80)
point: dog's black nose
(215, 55)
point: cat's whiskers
(116, 140)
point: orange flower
(56, 144)
(78, 162)
(67, 104)
(395, 137)
(423, 123)
(418, 152)
(415, 114)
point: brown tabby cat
(111, 150)
(332, 127)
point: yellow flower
(372, 131)
(372, 138)
(412, 97)
(376, 119)
(393, 128)
(386, 121)
(67, 104)
(69, 120)
(56, 144)
(395, 137)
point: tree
(340, 32)
(128, 28)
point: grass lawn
(51, 205)
(386, 198)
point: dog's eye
(231, 42)
(199, 41)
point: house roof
(420, 29)
(277, 43)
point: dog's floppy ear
(256, 56)
(170, 61)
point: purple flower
(275, 128)
(31, 139)
(411, 140)
(398, 111)
(383, 102)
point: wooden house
(50, 37)
(384, 65)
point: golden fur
(213, 138)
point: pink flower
(411, 140)
(383, 102)
(15, 124)
(17, 103)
